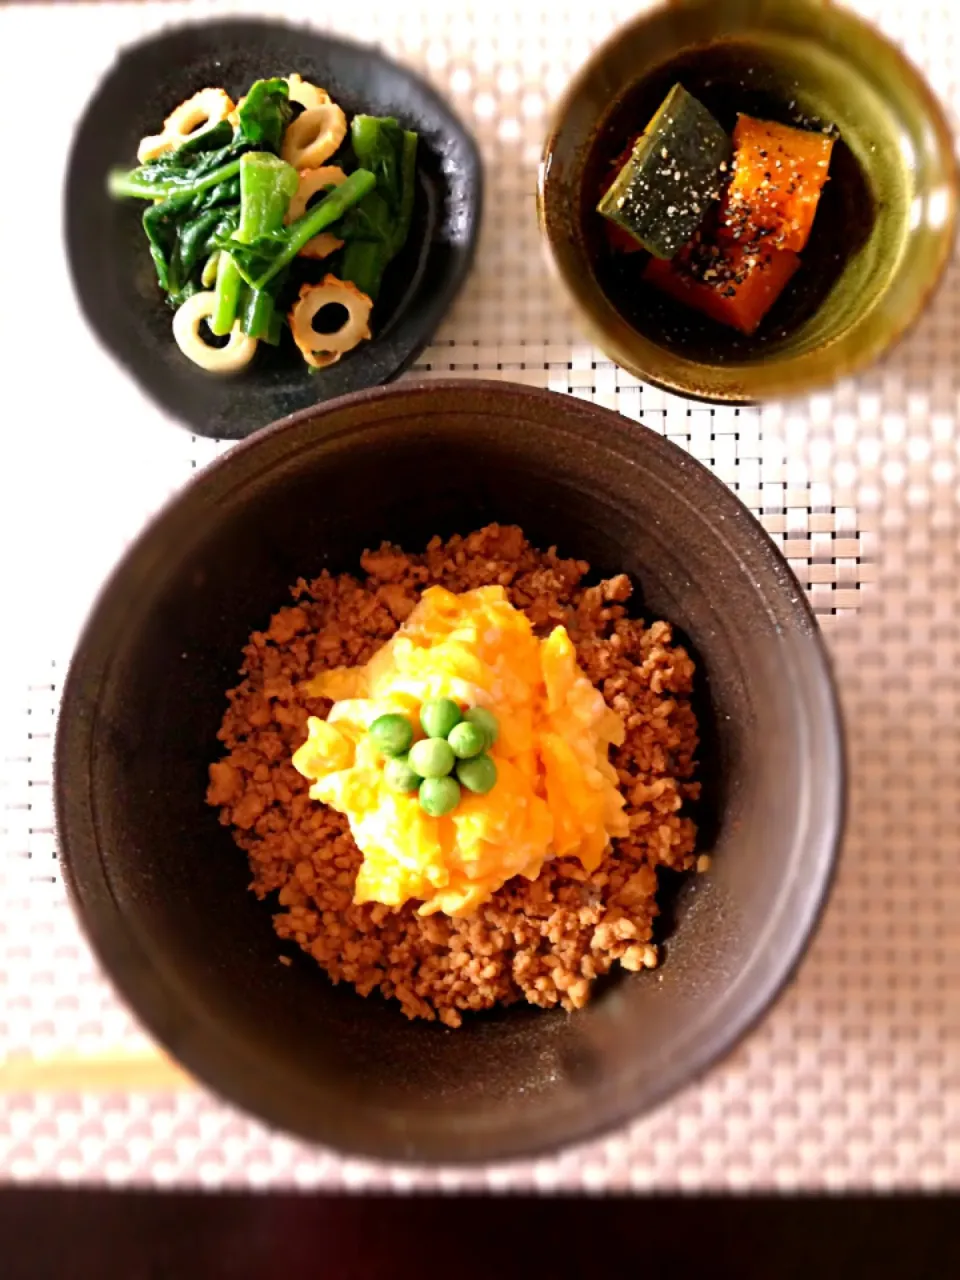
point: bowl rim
(684, 383)
(205, 1052)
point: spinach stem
(332, 207)
(122, 182)
(267, 186)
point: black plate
(111, 268)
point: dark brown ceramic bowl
(162, 890)
(884, 228)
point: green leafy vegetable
(191, 185)
(265, 113)
(260, 317)
(377, 228)
(200, 156)
(261, 259)
(196, 218)
(194, 241)
(213, 138)
(267, 185)
(189, 180)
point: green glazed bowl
(884, 229)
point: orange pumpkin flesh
(778, 175)
(739, 294)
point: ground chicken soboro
(542, 941)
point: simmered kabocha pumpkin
(723, 221)
(778, 175)
(673, 176)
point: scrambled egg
(556, 793)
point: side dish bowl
(109, 257)
(882, 236)
(162, 890)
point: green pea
(432, 757)
(439, 716)
(486, 721)
(398, 775)
(392, 734)
(467, 740)
(478, 775)
(439, 796)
